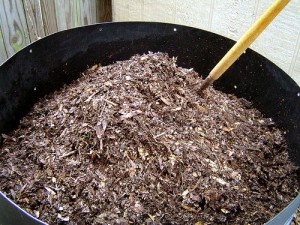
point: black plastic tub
(49, 63)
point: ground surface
(134, 143)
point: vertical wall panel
(49, 16)
(13, 26)
(295, 66)
(278, 41)
(135, 10)
(87, 12)
(74, 13)
(160, 11)
(121, 10)
(3, 54)
(103, 10)
(34, 19)
(232, 18)
(66, 16)
(193, 13)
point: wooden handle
(253, 32)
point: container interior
(49, 63)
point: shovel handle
(246, 40)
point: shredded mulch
(133, 143)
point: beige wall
(280, 42)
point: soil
(133, 143)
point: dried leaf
(181, 91)
(165, 100)
(195, 197)
(36, 213)
(190, 209)
(50, 191)
(132, 172)
(172, 159)
(130, 114)
(200, 223)
(108, 83)
(225, 211)
(176, 109)
(94, 67)
(227, 129)
(138, 208)
(143, 153)
(63, 218)
(151, 217)
(220, 181)
(101, 129)
(185, 193)
(201, 108)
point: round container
(47, 64)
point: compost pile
(134, 143)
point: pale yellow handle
(246, 40)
